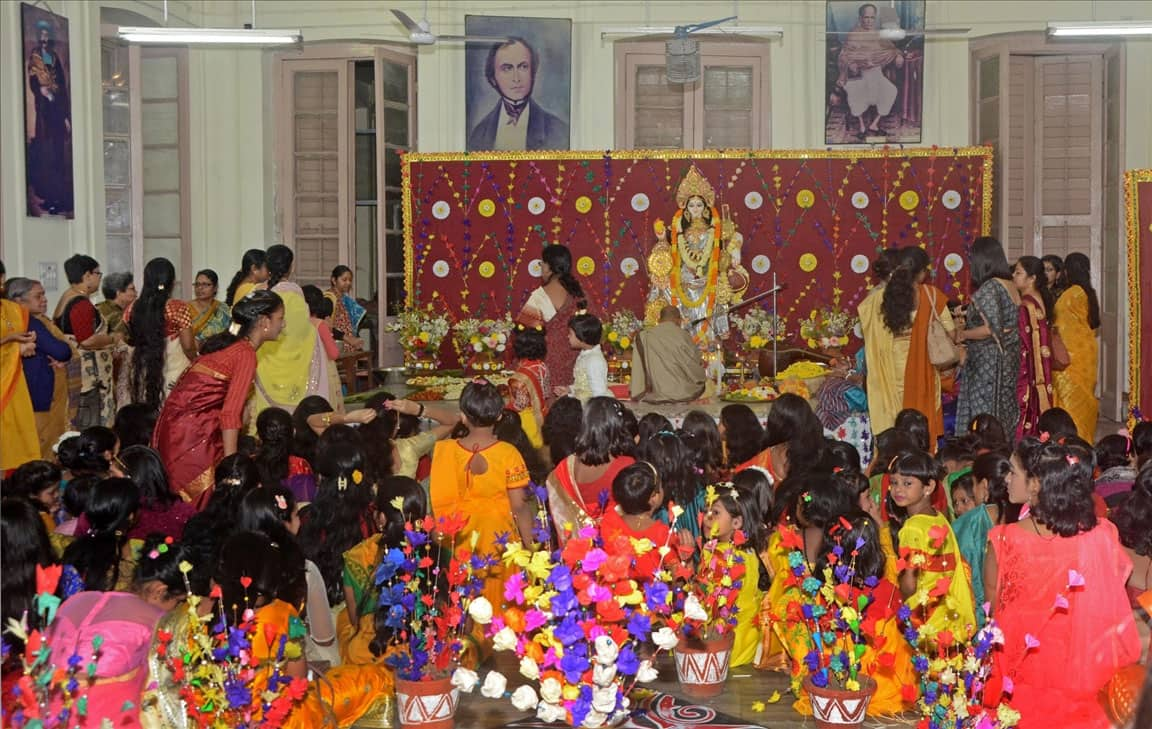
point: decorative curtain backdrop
(475, 223)
(1138, 199)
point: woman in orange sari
(17, 420)
(1034, 383)
(1078, 311)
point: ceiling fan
(684, 31)
(421, 33)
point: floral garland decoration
(708, 298)
(759, 327)
(420, 332)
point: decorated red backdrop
(474, 223)
(1138, 198)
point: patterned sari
(1076, 386)
(988, 375)
(528, 389)
(90, 383)
(561, 358)
(1034, 383)
(346, 312)
(211, 322)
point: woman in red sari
(551, 305)
(201, 418)
(1034, 383)
(528, 387)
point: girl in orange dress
(1056, 581)
(482, 478)
(529, 385)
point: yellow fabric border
(685, 154)
(1135, 326)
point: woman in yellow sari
(882, 401)
(17, 420)
(294, 366)
(1077, 320)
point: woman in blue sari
(346, 311)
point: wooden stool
(355, 367)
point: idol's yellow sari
(20, 443)
(1075, 387)
(293, 366)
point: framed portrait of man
(519, 91)
(47, 113)
(874, 71)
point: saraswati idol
(695, 263)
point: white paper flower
(550, 690)
(860, 264)
(549, 712)
(629, 267)
(441, 268)
(753, 200)
(953, 263)
(647, 672)
(529, 669)
(465, 679)
(606, 649)
(441, 209)
(761, 264)
(693, 610)
(639, 202)
(494, 685)
(594, 719)
(504, 640)
(481, 610)
(665, 638)
(604, 699)
(951, 199)
(524, 698)
(603, 675)
(536, 205)
(859, 200)
(535, 267)
(478, 347)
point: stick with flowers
(222, 684)
(579, 625)
(426, 595)
(43, 683)
(420, 332)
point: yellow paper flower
(585, 265)
(805, 198)
(486, 208)
(424, 337)
(909, 199)
(808, 263)
(583, 204)
(487, 269)
(625, 342)
(613, 336)
(357, 476)
(758, 706)
(397, 503)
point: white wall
(233, 195)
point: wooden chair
(356, 371)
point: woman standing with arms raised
(992, 338)
(201, 420)
(295, 365)
(1034, 380)
(551, 305)
(160, 331)
(1078, 311)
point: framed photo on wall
(47, 113)
(874, 71)
(519, 92)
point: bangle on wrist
(420, 412)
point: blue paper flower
(627, 663)
(569, 632)
(639, 626)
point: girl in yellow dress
(934, 579)
(732, 522)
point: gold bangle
(327, 419)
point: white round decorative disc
(441, 209)
(951, 199)
(629, 267)
(440, 268)
(953, 263)
(536, 205)
(761, 264)
(753, 200)
(858, 331)
(860, 200)
(860, 263)
(639, 202)
(535, 266)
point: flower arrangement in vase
(759, 327)
(956, 684)
(420, 332)
(620, 332)
(217, 671)
(483, 341)
(576, 620)
(826, 329)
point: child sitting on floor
(638, 494)
(734, 533)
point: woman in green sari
(209, 315)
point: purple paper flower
(639, 626)
(561, 578)
(568, 632)
(575, 662)
(627, 663)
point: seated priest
(666, 364)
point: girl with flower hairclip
(1056, 583)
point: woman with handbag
(1078, 311)
(914, 316)
(991, 338)
(1034, 381)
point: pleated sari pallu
(1034, 384)
(188, 433)
(1075, 387)
(294, 365)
